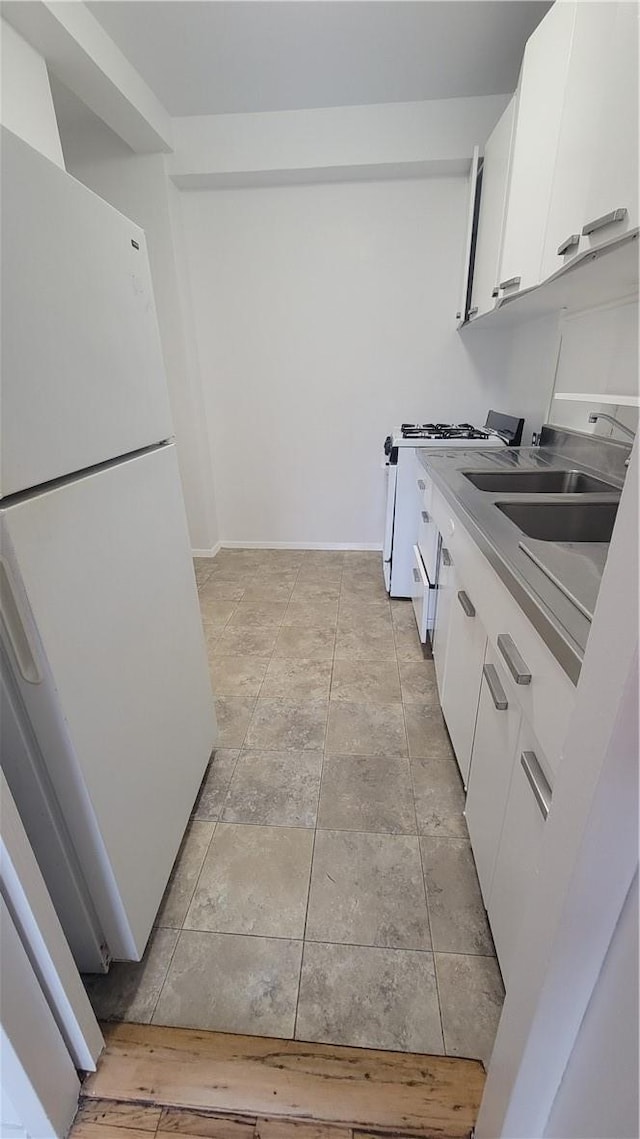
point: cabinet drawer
(519, 848)
(492, 759)
(422, 596)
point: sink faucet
(595, 415)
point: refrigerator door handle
(15, 628)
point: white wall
(26, 106)
(325, 315)
(598, 1095)
(138, 186)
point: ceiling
(216, 57)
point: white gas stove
(403, 491)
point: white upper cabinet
(586, 83)
(540, 99)
(613, 188)
(495, 173)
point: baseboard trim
(371, 546)
(210, 553)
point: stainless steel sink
(538, 482)
(563, 521)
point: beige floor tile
(458, 919)
(439, 798)
(129, 990)
(403, 616)
(228, 983)
(225, 589)
(367, 889)
(275, 788)
(233, 714)
(318, 589)
(202, 568)
(323, 559)
(188, 864)
(426, 732)
(320, 614)
(363, 559)
(237, 676)
(240, 640)
(279, 725)
(215, 784)
(408, 646)
(254, 880)
(366, 587)
(372, 643)
(304, 642)
(297, 680)
(471, 998)
(418, 682)
(366, 681)
(369, 998)
(257, 613)
(216, 612)
(269, 588)
(366, 793)
(362, 612)
(365, 729)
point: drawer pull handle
(510, 283)
(467, 605)
(498, 694)
(422, 484)
(538, 783)
(568, 243)
(516, 665)
(606, 219)
(425, 517)
(416, 576)
(446, 557)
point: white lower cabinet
(519, 848)
(444, 593)
(463, 674)
(494, 749)
(421, 596)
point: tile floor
(325, 889)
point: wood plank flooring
(155, 1081)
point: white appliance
(411, 539)
(107, 719)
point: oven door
(391, 469)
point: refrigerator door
(82, 376)
(101, 623)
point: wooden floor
(154, 1081)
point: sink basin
(538, 482)
(563, 521)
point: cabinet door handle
(515, 663)
(422, 484)
(498, 694)
(568, 243)
(538, 783)
(467, 605)
(446, 557)
(606, 219)
(416, 576)
(425, 516)
(511, 281)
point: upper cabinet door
(587, 81)
(614, 174)
(467, 269)
(538, 116)
(495, 173)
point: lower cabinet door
(421, 596)
(492, 758)
(446, 582)
(463, 674)
(519, 850)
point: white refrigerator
(107, 721)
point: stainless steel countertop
(559, 598)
